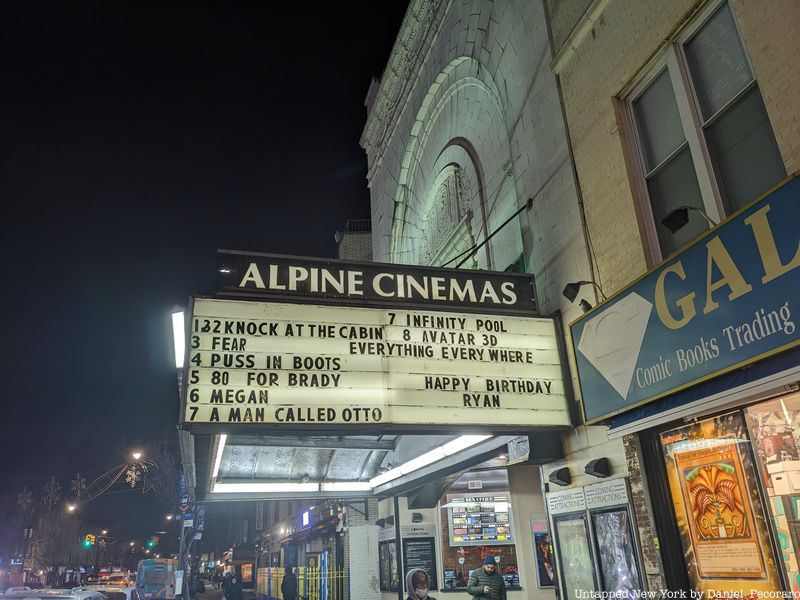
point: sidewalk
(212, 594)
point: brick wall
(610, 57)
(618, 43)
(360, 549)
(355, 245)
(771, 32)
(591, 78)
(640, 499)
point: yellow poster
(719, 513)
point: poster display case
(388, 567)
(616, 554)
(595, 539)
(575, 554)
(544, 553)
(420, 553)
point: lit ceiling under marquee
(317, 458)
(341, 466)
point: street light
(71, 508)
(179, 337)
(169, 517)
(104, 532)
(131, 544)
(679, 217)
(136, 455)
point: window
(774, 427)
(702, 131)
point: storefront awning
(772, 374)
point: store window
(702, 131)
(774, 428)
(715, 493)
(478, 523)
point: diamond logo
(612, 340)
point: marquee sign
(372, 284)
(300, 365)
(727, 300)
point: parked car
(113, 592)
(63, 594)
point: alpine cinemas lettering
(351, 283)
(379, 284)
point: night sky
(136, 138)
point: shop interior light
(422, 461)
(345, 486)
(179, 337)
(386, 477)
(462, 443)
(452, 447)
(218, 458)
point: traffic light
(88, 541)
(150, 543)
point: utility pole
(180, 557)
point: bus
(155, 578)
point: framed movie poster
(714, 488)
(389, 570)
(545, 564)
(383, 566)
(575, 554)
(616, 552)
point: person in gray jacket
(487, 582)
(418, 584)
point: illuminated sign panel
(311, 365)
(325, 281)
(727, 300)
(479, 520)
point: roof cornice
(411, 47)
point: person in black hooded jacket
(289, 584)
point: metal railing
(358, 225)
(312, 584)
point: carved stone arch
(463, 75)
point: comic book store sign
(729, 299)
(292, 364)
